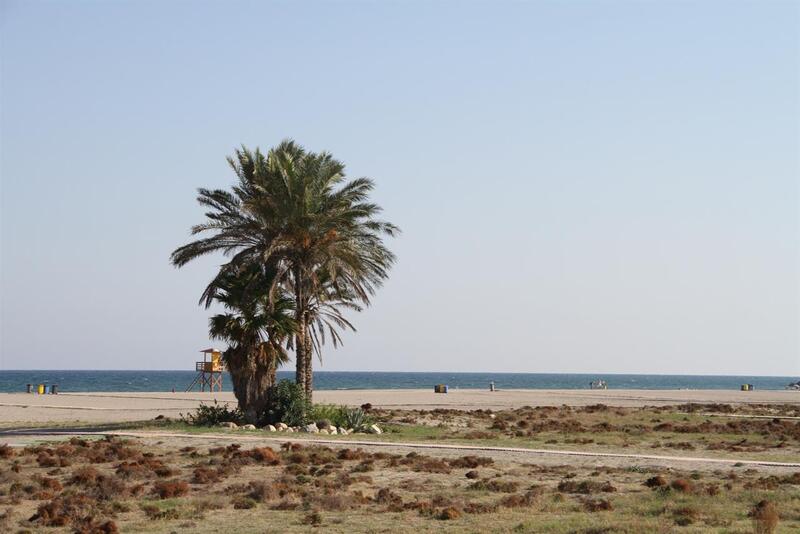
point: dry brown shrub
(166, 489)
(448, 514)
(682, 485)
(765, 517)
(350, 454)
(154, 513)
(241, 502)
(205, 475)
(262, 491)
(655, 482)
(585, 487)
(495, 485)
(389, 498)
(472, 475)
(51, 484)
(91, 526)
(526, 499)
(63, 511)
(470, 462)
(314, 519)
(597, 505)
(685, 515)
(6, 451)
(264, 455)
(479, 508)
(84, 475)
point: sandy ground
(18, 409)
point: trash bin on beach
(54, 389)
(30, 388)
(440, 388)
(42, 389)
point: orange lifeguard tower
(209, 372)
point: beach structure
(209, 371)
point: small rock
(374, 429)
(342, 431)
(270, 428)
(248, 427)
(228, 424)
(289, 430)
(281, 426)
(333, 431)
(323, 431)
(492, 416)
(311, 428)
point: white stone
(374, 429)
(311, 428)
(333, 431)
(289, 430)
(281, 426)
(491, 416)
(342, 431)
(228, 424)
(248, 427)
(270, 428)
(323, 431)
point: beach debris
(247, 427)
(228, 424)
(374, 429)
(270, 428)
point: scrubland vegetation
(188, 485)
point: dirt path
(572, 457)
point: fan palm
(255, 329)
(292, 212)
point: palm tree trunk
(252, 379)
(308, 367)
(301, 354)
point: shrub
(6, 451)
(212, 415)
(241, 502)
(355, 418)
(682, 485)
(655, 482)
(448, 514)
(288, 405)
(765, 517)
(470, 462)
(166, 489)
(472, 474)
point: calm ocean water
(75, 381)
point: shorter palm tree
(255, 328)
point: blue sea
(77, 381)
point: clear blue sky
(583, 186)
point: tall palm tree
(255, 329)
(293, 212)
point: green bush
(340, 416)
(288, 405)
(326, 412)
(212, 415)
(355, 418)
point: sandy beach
(19, 408)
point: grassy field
(190, 485)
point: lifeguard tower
(209, 371)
